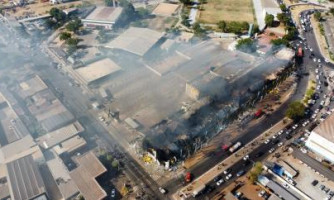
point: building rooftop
(276, 188)
(326, 128)
(136, 40)
(61, 175)
(104, 14)
(84, 176)
(18, 149)
(58, 136)
(31, 87)
(165, 9)
(70, 145)
(24, 179)
(11, 127)
(98, 69)
(49, 111)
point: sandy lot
(160, 23)
(229, 10)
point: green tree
(185, 20)
(65, 36)
(291, 33)
(186, 2)
(109, 3)
(317, 15)
(115, 164)
(331, 10)
(72, 45)
(279, 42)
(143, 13)
(281, 17)
(109, 157)
(128, 15)
(246, 45)
(57, 14)
(255, 172)
(296, 110)
(222, 26)
(74, 25)
(283, 7)
(198, 30)
(269, 20)
(81, 197)
(73, 41)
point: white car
(314, 116)
(246, 157)
(280, 144)
(322, 103)
(228, 177)
(275, 136)
(319, 61)
(267, 141)
(303, 150)
(163, 191)
(220, 182)
(295, 126)
(316, 111)
(316, 70)
(280, 132)
(314, 60)
(271, 150)
(286, 185)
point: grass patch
(228, 10)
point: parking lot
(305, 178)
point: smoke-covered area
(181, 96)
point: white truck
(235, 147)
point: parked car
(227, 171)
(315, 182)
(271, 150)
(219, 182)
(228, 177)
(240, 173)
(162, 190)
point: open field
(216, 10)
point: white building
(104, 17)
(321, 140)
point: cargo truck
(235, 147)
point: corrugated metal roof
(25, 179)
(326, 128)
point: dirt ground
(234, 129)
(41, 8)
(228, 10)
(160, 23)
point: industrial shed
(136, 40)
(98, 70)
